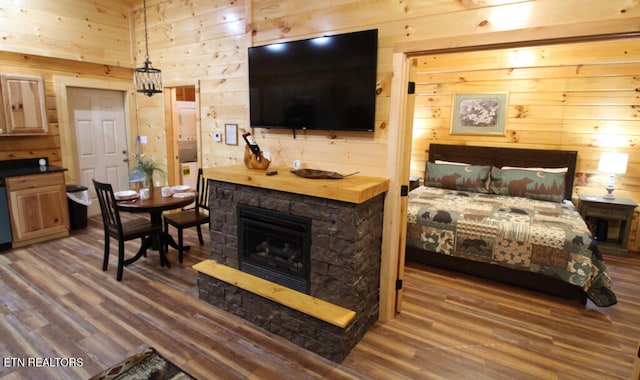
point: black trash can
(79, 201)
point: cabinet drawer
(33, 181)
(607, 213)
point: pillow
(457, 177)
(451, 163)
(548, 170)
(541, 185)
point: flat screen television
(325, 83)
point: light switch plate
(217, 136)
(143, 139)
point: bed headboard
(499, 157)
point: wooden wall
(95, 31)
(205, 43)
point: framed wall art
(479, 114)
(231, 134)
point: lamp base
(610, 187)
(609, 195)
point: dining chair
(115, 228)
(195, 217)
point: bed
(505, 214)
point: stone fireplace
(342, 266)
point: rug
(148, 364)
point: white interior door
(101, 138)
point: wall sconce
(612, 163)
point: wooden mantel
(353, 189)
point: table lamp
(612, 163)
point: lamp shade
(613, 162)
(147, 79)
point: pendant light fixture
(147, 79)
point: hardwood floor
(56, 302)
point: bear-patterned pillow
(541, 185)
(457, 177)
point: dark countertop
(4, 173)
(29, 166)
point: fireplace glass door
(275, 246)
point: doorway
(68, 144)
(401, 105)
(98, 120)
(183, 153)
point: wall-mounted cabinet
(23, 107)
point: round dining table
(155, 205)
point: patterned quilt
(544, 237)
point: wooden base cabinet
(38, 208)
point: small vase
(148, 181)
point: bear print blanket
(520, 233)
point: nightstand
(597, 212)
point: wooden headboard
(499, 157)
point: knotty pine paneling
(206, 42)
(14, 147)
(560, 57)
(568, 96)
(85, 31)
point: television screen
(325, 83)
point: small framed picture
(231, 134)
(478, 114)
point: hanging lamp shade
(147, 79)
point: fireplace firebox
(275, 246)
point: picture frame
(231, 134)
(479, 114)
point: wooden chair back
(108, 207)
(202, 193)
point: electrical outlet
(143, 139)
